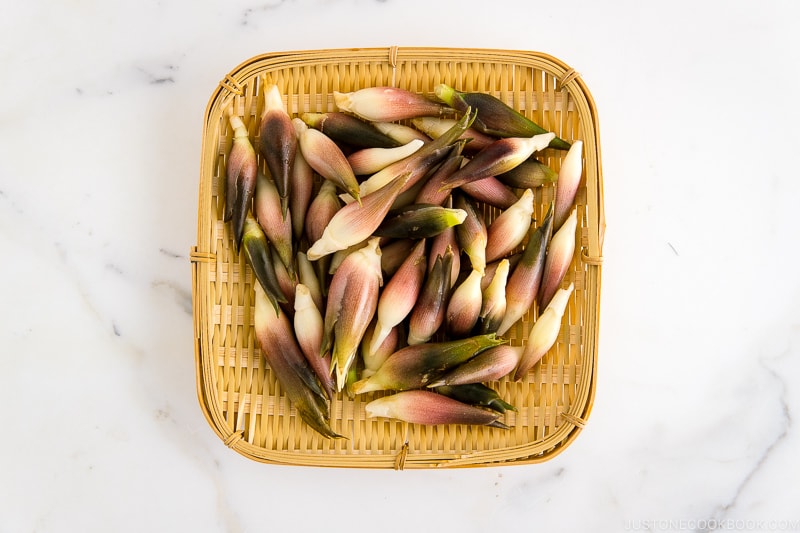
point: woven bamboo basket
(237, 392)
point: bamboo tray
(237, 392)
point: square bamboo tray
(236, 389)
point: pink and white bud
(569, 178)
(352, 300)
(354, 223)
(558, 259)
(387, 104)
(509, 229)
(493, 306)
(399, 295)
(430, 408)
(489, 365)
(371, 160)
(327, 159)
(464, 306)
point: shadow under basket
(237, 391)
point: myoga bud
(279, 347)
(278, 142)
(259, 257)
(327, 159)
(472, 233)
(435, 127)
(493, 305)
(489, 365)
(509, 229)
(529, 174)
(399, 295)
(277, 227)
(558, 259)
(429, 310)
(415, 366)
(494, 116)
(354, 223)
(352, 299)
(500, 156)
(349, 130)
(524, 282)
(430, 408)
(240, 179)
(371, 160)
(387, 104)
(464, 306)
(569, 178)
(301, 191)
(308, 330)
(544, 332)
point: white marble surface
(101, 110)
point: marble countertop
(100, 134)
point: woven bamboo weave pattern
(236, 389)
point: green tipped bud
(298, 382)
(349, 130)
(489, 365)
(494, 116)
(416, 366)
(258, 255)
(476, 394)
(529, 175)
(420, 221)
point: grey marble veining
(100, 131)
